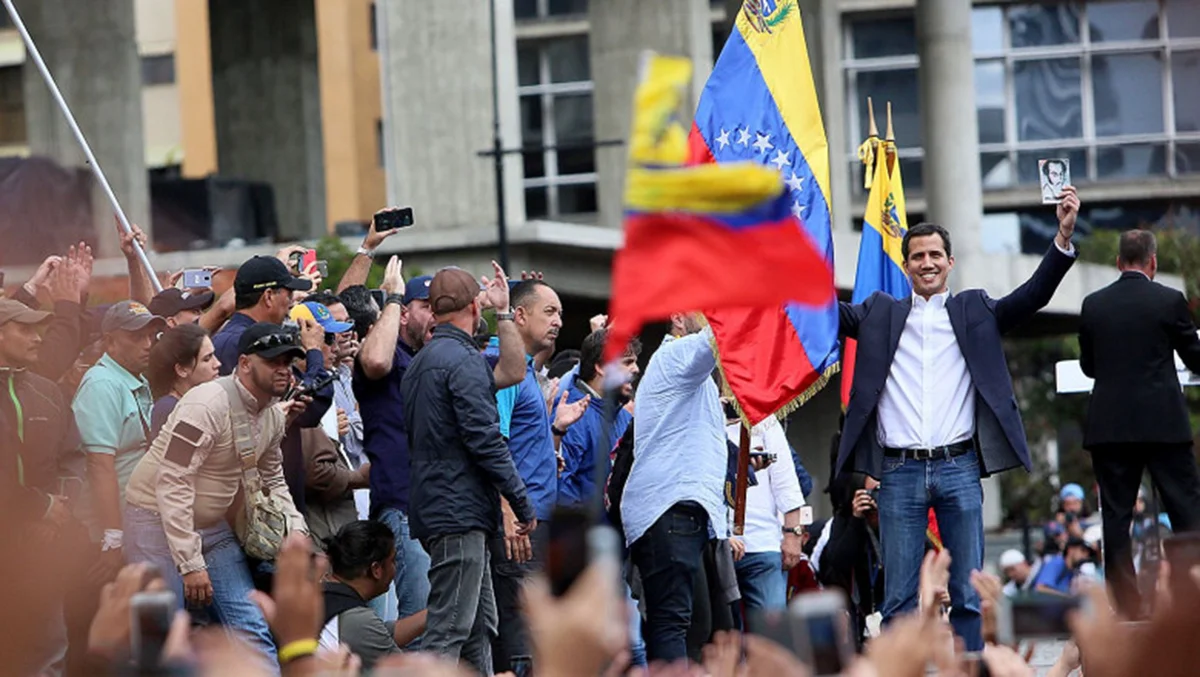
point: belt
(947, 451)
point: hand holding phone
(393, 218)
(151, 614)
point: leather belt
(948, 451)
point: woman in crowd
(182, 359)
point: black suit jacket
(1129, 333)
(979, 321)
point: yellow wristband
(297, 649)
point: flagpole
(890, 147)
(742, 481)
(36, 56)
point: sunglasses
(330, 338)
(272, 341)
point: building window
(537, 9)
(158, 70)
(557, 139)
(12, 107)
(1109, 85)
(374, 27)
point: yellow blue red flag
(760, 104)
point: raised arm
(510, 368)
(140, 287)
(1024, 301)
(378, 350)
(360, 267)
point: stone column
(91, 50)
(953, 187)
(267, 102)
(621, 30)
(437, 80)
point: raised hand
(312, 274)
(496, 289)
(374, 238)
(1068, 210)
(567, 414)
(598, 322)
(532, 275)
(393, 275)
(42, 276)
(127, 239)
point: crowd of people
(327, 483)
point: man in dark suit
(1129, 333)
(932, 409)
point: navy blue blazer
(979, 321)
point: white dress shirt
(928, 400)
(777, 491)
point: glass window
(912, 173)
(1183, 19)
(1185, 75)
(1131, 162)
(537, 203)
(1027, 163)
(1127, 94)
(577, 199)
(989, 100)
(899, 87)
(568, 59)
(561, 7)
(1044, 25)
(531, 120)
(1187, 158)
(528, 72)
(1112, 21)
(884, 37)
(996, 170)
(1049, 102)
(534, 162)
(525, 9)
(158, 70)
(987, 30)
(573, 133)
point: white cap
(1011, 558)
(1093, 535)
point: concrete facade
(621, 31)
(90, 49)
(267, 102)
(437, 84)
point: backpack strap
(243, 439)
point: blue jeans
(637, 645)
(412, 565)
(228, 570)
(668, 557)
(762, 581)
(951, 487)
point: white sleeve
(819, 548)
(785, 485)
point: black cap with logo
(263, 273)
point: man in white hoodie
(773, 537)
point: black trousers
(1119, 469)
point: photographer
(851, 559)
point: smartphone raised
(576, 540)
(391, 219)
(301, 259)
(197, 278)
(1035, 616)
(151, 614)
(323, 268)
(825, 631)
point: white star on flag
(744, 136)
(795, 182)
(780, 160)
(763, 144)
(797, 209)
(723, 139)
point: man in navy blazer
(932, 409)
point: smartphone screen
(151, 616)
(1042, 617)
(777, 626)
(567, 553)
(824, 640)
(391, 219)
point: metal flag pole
(33, 52)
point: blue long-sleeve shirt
(577, 483)
(680, 451)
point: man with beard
(534, 443)
(577, 481)
(403, 328)
(192, 477)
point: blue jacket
(577, 483)
(979, 322)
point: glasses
(272, 341)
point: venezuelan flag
(701, 237)
(880, 261)
(760, 105)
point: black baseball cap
(269, 341)
(263, 273)
(171, 301)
